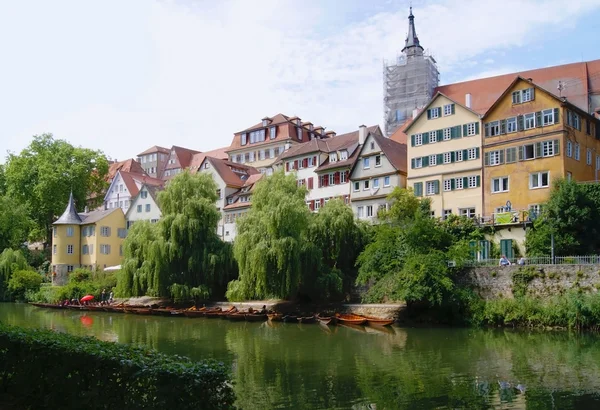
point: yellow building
(444, 157)
(91, 240)
(531, 138)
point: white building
(125, 186)
(144, 206)
(237, 205)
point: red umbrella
(87, 298)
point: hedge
(48, 370)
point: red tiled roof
(183, 157)
(130, 178)
(129, 165)
(395, 152)
(578, 79)
(399, 135)
(198, 158)
(231, 178)
(154, 149)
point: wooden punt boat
(76, 307)
(95, 308)
(351, 319)
(236, 316)
(290, 319)
(255, 317)
(162, 311)
(373, 321)
(327, 320)
(307, 319)
(143, 311)
(194, 313)
(48, 305)
(275, 317)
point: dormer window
(299, 132)
(273, 132)
(298, 122)
(229, 201)
(333, 157)
(265, 123)
(343, 155)
(243, 137)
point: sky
(121, 76)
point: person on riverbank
(504, 261)
(103, 296)
(263, 311)
(110, 297)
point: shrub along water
(49, 370)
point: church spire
(412, 41)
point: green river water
(309, 366)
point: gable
(520, 97)
(441, 112)
(117, 180)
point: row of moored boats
(231, 313)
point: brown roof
(277, 119)
(231, 178)
(326, 165)
(395, 152)
(130, 178)
(399, 135)
(183, 157)
(154, 149)
(198, 158)
(96, 215)
(130, 165)
(579, 80)
(248, 187)
(238, 204)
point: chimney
(415, 113)
(362, 134)
(468, 100)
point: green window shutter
(556, 147)
(458, 131)
(538, 150)
(429, 114)
(556, 115)
(477, 128)
(477, 152)
(452, 184)
(453, 133)
(453, 108)
(425, 161)
(502, 126)
(412, 140)
(440, 135)
(464, 130)
(436, 186)
(418, 187)
(465, 154)
(486, 128)
(486, 159)
(452, 156)
(478, 180)
(520, 148)
(506, 248)
(412, 163)
(425, 138)
(465, 182)
(501, 156)
(440, 159)
(538, 119)
(473, 249)
(520, 123)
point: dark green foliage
(23, 281)
(48, 370)
(521, 279)
(10, 262)
(15, 223)
(81, 282)
(571, 213)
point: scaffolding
(409, 83)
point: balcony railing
(540, 260)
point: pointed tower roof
(70, 216)
(411, 39)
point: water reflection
(304, 366)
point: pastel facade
(144, 206)
(237, 206)
(125, 186)
(154, 160)
(444, 153)
(91, 240)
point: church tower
(409, 81)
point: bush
(81, 282)
(49, 370)
(22, 281)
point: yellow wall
(114, 220)
(61, 240)
(89, 240)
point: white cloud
(122, 76)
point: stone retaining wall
(497, 282)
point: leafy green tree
(23, 281)
(268, 247)
(10, 262)
(15, 223)
(571, 214)
(43, 174)
(2, 180)
(183, 248)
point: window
(448, 109)
(333, 157)
(332, 179)
(70, 231)
(472, 129)
(418, 162)
(54, 249)
(418, 188)
(516, 97)
(69, 268)
(511, 155)
(589, 156)
(576, 121)
(535, 210)
(500, 185)
(343, 155)
(343, 178)
(528, 151)
(377, 160)
(432, 160)
(366, 163)
(85, 250)
(272, 132)
(529, 121)
(369, 211)
(300, 164)
(432, 137)
(372, 145)
(433, 113)
(458, 156)
(548, 117)
(418, 139)
(105, 231)
(472, 181)
(360, 212)
(548, 149)
(447, 157)
(522, 96)
(446, 213)
(376, 183)
(54, 231)
(447, 134)
(511, 124)
(431, 187)
(495, 158)
(70, 249)
(472, 153)
(243, 137)
(539, 180)
(299, 133)
(447, 185)
(122, 233)
(569, 176)
(577, 152)
(458, 183)
(492, 129)
(356, 186)
(139, 208)
(386, 180)
(467, 212)
(317, 204)
(366, 184)
(105, 249)
(569, 149)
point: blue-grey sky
(121, 76)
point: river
(309, 366)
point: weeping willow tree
(10, 262)
(334, 240)
(182, 248)
(268, 247)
